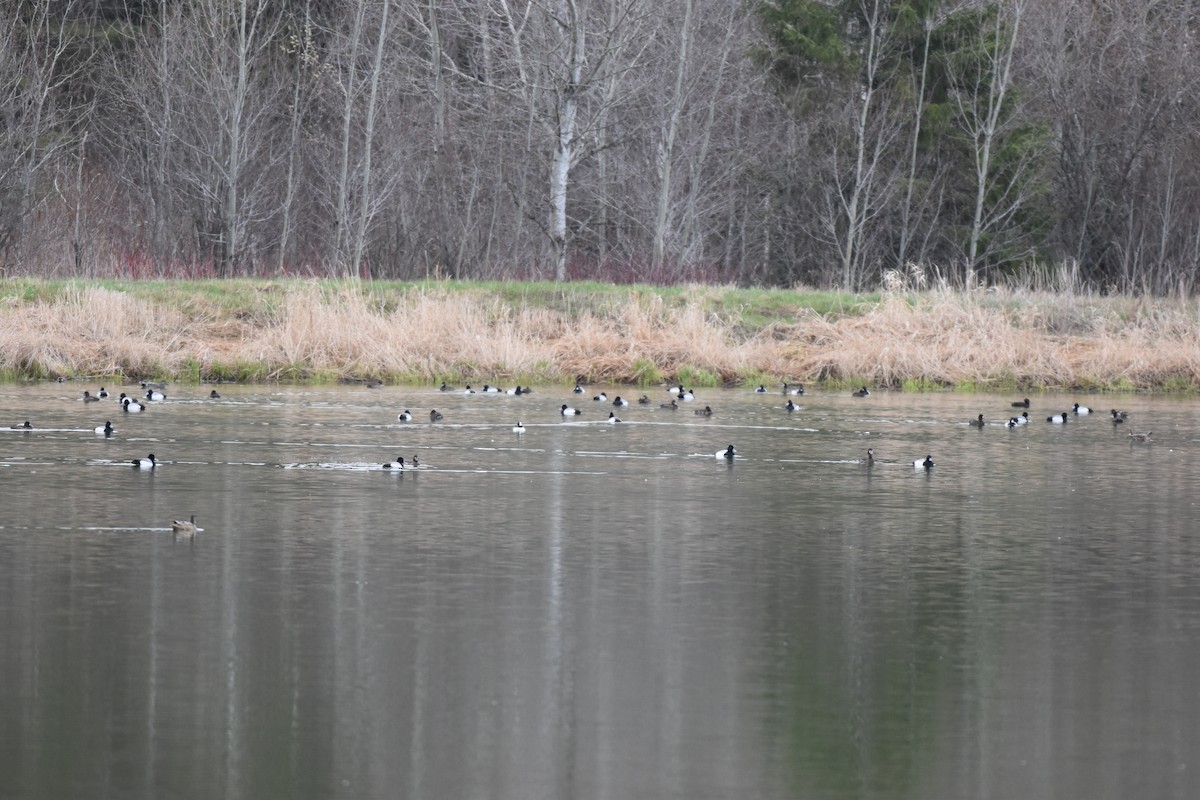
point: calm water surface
(593, 610)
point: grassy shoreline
(545, 333)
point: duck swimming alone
(1021, 403)
(435, 415)
(23, 427)
(1081, 410)
(184, 527)
(870, 459)
(144, 463)
(728, 453)
(977, 423)
(863, 392)
(214, 395)
(518, 429)
(791, 407)
(926, 463)
(761, 389)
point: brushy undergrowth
(322, 331)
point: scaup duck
(1021, 403)
(613, 418)
(578, 389)
(397, 464)
(863, 392)
(131, 405)
(1023, 419)
(602, 398)
(791, 406)
(151, 385)
(25, 427)
(977, 422)
(761, 389)
(156, 396)
(106, 429)
(435, 415)
(404, 416)
(88, 397)
(567, 411)
(518, 428)
(144, 463)
(671, 406)
(703, 412)
(1058, 419)
(102, 394)
(926, 463)
(490, 389)
(445, 387)
(870, 460)
(675, 389)
(686, 395)
(214, 395)
(793, 389)
(1081, 410)
(728, 453)
(644, 400)
(619, 402)
(468, 390)
(1139, 437)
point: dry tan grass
(981, 338)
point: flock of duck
(679, 394)
(183, 528)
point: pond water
(590, 610)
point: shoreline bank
(547, 333)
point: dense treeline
(831, 142)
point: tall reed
(350, 330)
